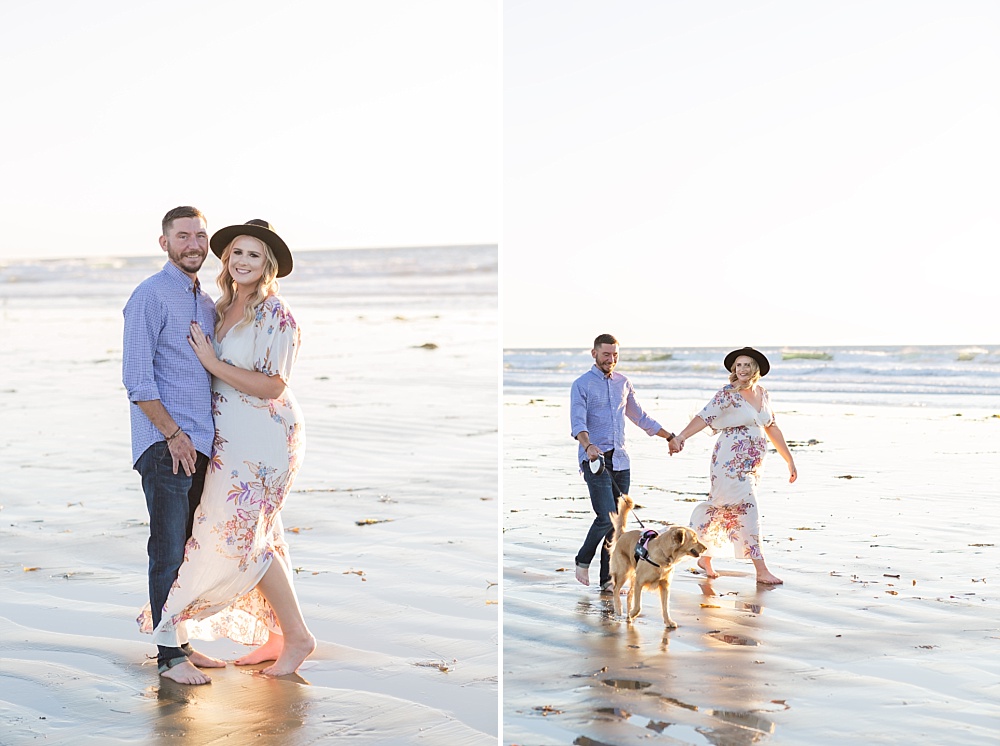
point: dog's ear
(677, 535)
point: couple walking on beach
(602, 399)
(217, 438)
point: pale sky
(344, 123)
(798, 172)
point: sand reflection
(697, 684)
(238, 704)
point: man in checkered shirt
(171, 413)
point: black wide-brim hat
(260, 229)
(757, 355)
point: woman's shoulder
(274, 301)
(274, 305)
(274, 311)
(722, 395)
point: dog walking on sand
(647, 559)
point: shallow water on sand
(880, 634)
(391, 523)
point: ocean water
(421, 276)
(907, 376)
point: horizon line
(4, 260)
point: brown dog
(666, 549)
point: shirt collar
(179, 276)
(600, 373)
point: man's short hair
(604, 339)
(180, 212)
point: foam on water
(419, 275)
(940, 375)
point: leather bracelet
(670, 436)
(176, 433)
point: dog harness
(641, 552)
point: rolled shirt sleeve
(144, 318)
(635, 412)
(578, 408)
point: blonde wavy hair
(754, 375)
(266, 285)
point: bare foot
(185, 673)
(291, 656)
(269, 651)
(205, 661)
(705, 563)
(765, 576)
(583, 574)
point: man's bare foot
(269, 651)
(705, 563)
(291, 656)
(205, 661)
(583, 574)
(185, 673)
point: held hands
(201, 345)
(675, 445)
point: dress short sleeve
(768, 414)
(276, 340)
(722, 410)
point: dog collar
(641, 552)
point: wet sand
(885, 631)
(402, 439)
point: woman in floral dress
(740, 412)
(236, 580)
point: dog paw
(670, 624)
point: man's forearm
(159, 416)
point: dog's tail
(619, 519)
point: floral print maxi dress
(258, 448)
(730, 513)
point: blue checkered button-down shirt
(158, 362)
(599, 404)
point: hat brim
(762, 361)
(222, 237)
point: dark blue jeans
(171, 500)
(603, 500)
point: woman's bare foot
(765, 576)
(186, 673)
(269, 651)
(583, 575)
(292, 656)
(205, 661)
(705, 563)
